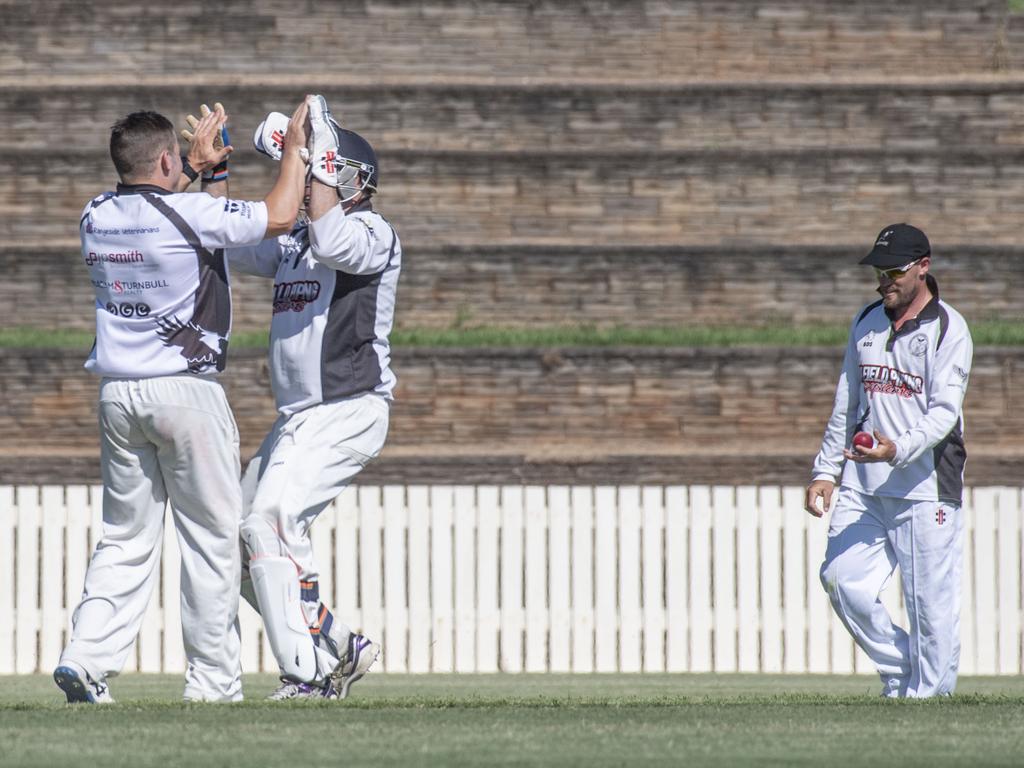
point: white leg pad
(276, 584)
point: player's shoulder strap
(184, 228)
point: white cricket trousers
(868, 537)
(305, 461)
(175, 438)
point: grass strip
(1002, 333)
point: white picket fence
(535, 579)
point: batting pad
(276, 584)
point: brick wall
(638, 40)
(984, 113)
(722, 196)
(567, 404)
(445, 286)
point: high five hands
(207, 147)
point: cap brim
(885, 260)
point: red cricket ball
(864, 439)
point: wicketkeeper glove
(323, 143)
(270, 137)
(220, 171)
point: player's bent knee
(260, 538)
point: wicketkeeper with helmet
(335, 277)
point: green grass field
(587, 720)
(991, 332)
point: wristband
(219, 172)
(188, 170)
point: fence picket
(770, 520)
(968, 620)
(1009, 505)
(441, 514)
(488, 612)
(985, 586)
(465, 579)
(653, 577)
(512, 614)
(582, 501)
(348, 607)
(76, 552)
(820, 616)
(52, 572)
(559, 575)
(536, 579)
(749, 624)
(321, 535)
(8, 524)
(701, 612)
(396, 606)
(630, 615)
(418, 497)
(723, 564)
(677, 566)
(371, 560)
(606, 630)
(27, 625)
(794, 574)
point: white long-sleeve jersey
(334, 303)
(910, 386)
(157, 267)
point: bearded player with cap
(335, 277)
(903, 380)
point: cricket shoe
(894, 686)
(290, 690)
(79, 686)
(357, 660)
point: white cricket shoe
(79, 686)
(356, 661)
(290, 690)
(894, 686)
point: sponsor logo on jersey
(94, 230)
(129, 287)
(114, 257)
(200, 348)
(294, 296)
(127, 309)
(919, 345)
(240, 207)
(883, 380)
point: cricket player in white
(334, 297)
(904, 378)
(163, 318)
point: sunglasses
(896, 272)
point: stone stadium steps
(517, 410)
(595, 285)
(572, 116)
(639, 39)
(618, 198)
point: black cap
(897, 245)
